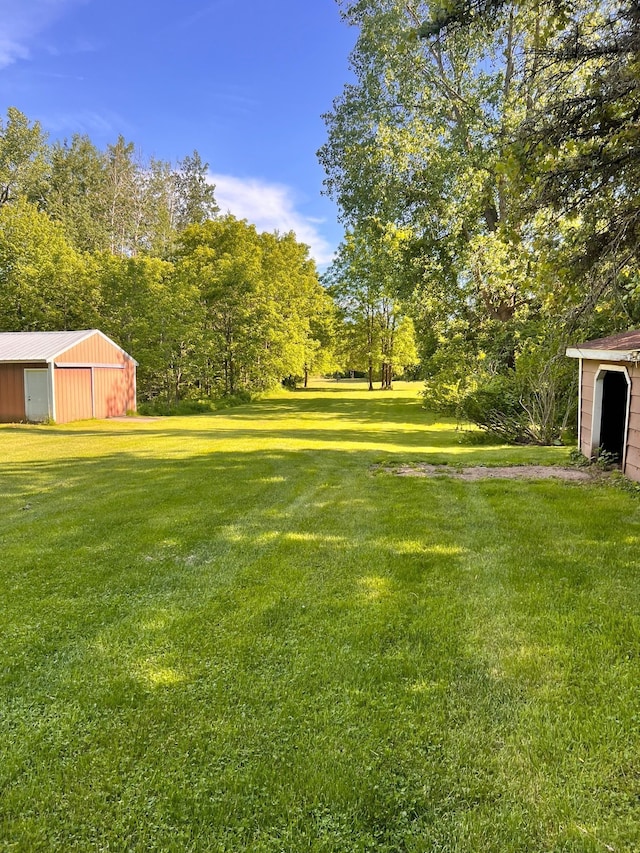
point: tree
(377, 336)
(155, 316)
(258, 294)
(575, 149)
(196, 202)
(22, 163)
(222, 258)
(298, 307)
(457, 138)
(122, 197)
(418, 144)
(77, 193)
(44, 283)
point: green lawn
(229, 633)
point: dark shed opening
(615, 391)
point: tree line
(486, 154)
(207, 305)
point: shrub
(497, 408)
(161, 407)
(291, 382)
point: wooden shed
(64, 376)
(609, 401)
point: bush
(160, 407)
(291, 382)
(239, 398)
(496, 407)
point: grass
(226, 633)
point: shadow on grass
(303, 643)
(338, 406)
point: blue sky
(242, 81)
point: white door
(36, 394)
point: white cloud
(86, 121)
(270, 207)
(11, 51)
(23, 21)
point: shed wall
(94, 350)
(12, 407)
(632, 465)
(589, 370)
(73, 394)
(114, 390)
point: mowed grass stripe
(231, 633)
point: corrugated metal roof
(38, 346)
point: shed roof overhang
(622, 347)
(603, 355)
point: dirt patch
(482, 472)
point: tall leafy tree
(259, 293)
(295, 300)
(377, 335)
(195, 194)
(44, 283)
(153, 315)
(122, 197)
(418, 141)
(429, 138)
(223, 259)
(22, 158)
(77, 193)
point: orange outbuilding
(64, 376)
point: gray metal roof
(38, 346)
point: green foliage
(503, 151)
(258, 294)
(291, 382)
(76, 196)
(44, 283)
(577, 458)
(496, 407)
(208, 307)
(376, 336)
(159, 406)
(22, 162)
(195, 196)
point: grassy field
(230, 633)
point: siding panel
(632, 466)
(73, 394)
(633, 438)
(95, 350)
(114, 391)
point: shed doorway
(36, 394)
(613, 385)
